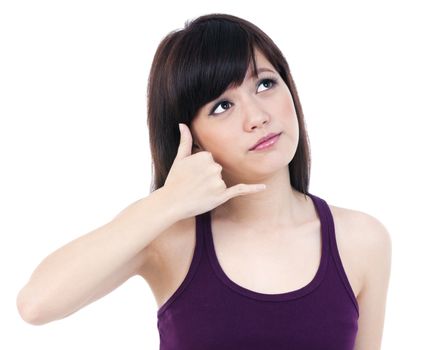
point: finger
(242, 189)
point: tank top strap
(325, 212)
(326, 219)
(327, 223)
(202, 229)
(202, 222)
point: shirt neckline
(308, 288)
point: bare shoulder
(361, 226)
(372, 244)
(367, 235)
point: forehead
(261, 63)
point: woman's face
(230, 125)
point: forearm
(72, 275)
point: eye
(222, 103)
(266, 81)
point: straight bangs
(215, 56)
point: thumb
(185, 146)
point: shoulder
(369, 237)
(369, 230)
(372, 249)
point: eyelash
(272, 80)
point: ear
(195, 148)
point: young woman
(232, 264)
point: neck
(278, 205)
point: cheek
(227, 150)
(288, 112)
(288, 107)
(214, 142)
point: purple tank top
(209, 311)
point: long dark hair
(195, 65)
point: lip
(263, 139)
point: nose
(255, 112)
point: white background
(74, 142)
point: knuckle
(222, 184)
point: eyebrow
(259, 70)
(264, 69)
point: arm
(373, 297)
(94, 264)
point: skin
(250, 112)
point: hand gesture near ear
(195, 183)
